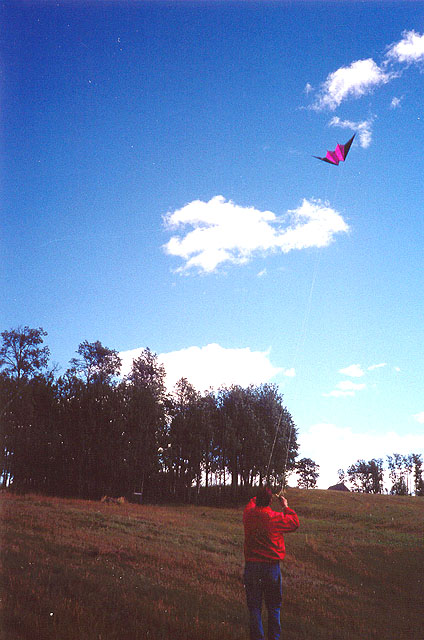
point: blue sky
(159, 191)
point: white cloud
(211, 366)
(222, 231)
(377, 366)
(308, 88)
(290, 373)
(334, 448)
(354, 370)
(363, 76)
(262, 273)
(348, 385)
(419, 417)
(354, 81)
(338, 393)
(395, 103)
(363, 129)
(345, 388)
(409, 49)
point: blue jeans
(262, 580)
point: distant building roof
(338, 487)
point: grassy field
(87, 570)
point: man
(263, 549)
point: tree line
(90, 432)
(404, 474)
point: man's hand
(283, 502)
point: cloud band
(221, 231)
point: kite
(339, 154)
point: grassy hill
(92, 571)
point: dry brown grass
(75, 569)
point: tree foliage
(308, 472)
(367, 476)
(91, 432)
(404, 472)
(96, 364)
(21, 353)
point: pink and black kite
(339, 154)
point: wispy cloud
(377, 366)
(211, 366)
(419, 417)
(363, 128)
(338, 393)
(348, 385)
(221, 231)
(408, 50)
(357, 79)
(395, 103)
(348, 388)
(345, 388)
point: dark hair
(263, 497)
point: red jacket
(263, 532)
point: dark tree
(238, 426)
(208, 425)
(376, 473)
(90, 433)
(366, 477)
(418, 474)
(96, 363)
(29, 432)
(147, 373)
(308, 473)
(94, 397)
(21, 353)
(398, 473)
(258, 435)
(146, 412)
(184, 438)
(27, 409)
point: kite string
(300, 344)
(326, 186)
(337, 187)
